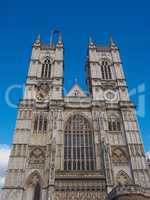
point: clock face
(110, 95)
(43, 91)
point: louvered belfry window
(46, 69)
(79, 149)
(106, 70)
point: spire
(91, 41)
(59, 42)
(37, 42)
(59, 38)
(112, 43)
(38, 39)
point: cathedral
(78, 146)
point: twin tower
(78, 146)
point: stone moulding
(133, 192)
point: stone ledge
(129, 192)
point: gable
(76, 92)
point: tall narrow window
(46, 69)
(45, 124)
(37, 192)
(106, 70)
(114, 124)
(79, 149)
(36, 123)
(40, 123)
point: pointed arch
(79, 147)
(33, 186)
(106, 69)
(46, 69)
(84, 115)
(40, 124)
(33, 177)
(114, 123)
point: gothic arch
(105, 58)
(33, 186)
(122, 178)
(106, 68)
(43, 58)
(33, 173)
(40, 123)
(79, 145)
(114, 122)
(46, 69)
(112, 114)
(68, 115)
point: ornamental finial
(111, 40)
(90, 40)
(38, 39)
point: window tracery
(40, 123)
(106, 70)
(114, 124)
(79, 149)
(46, 69)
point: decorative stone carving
(37, 158)
(43, 91)
(118, 155)
(76, 195)
(122, 178)
(109, 150)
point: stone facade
(79, 146)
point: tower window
(106, 70)
(114, 124)
(79, 149)
(40, 123)
(46, 69)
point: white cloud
(4, 157)
(148, 154)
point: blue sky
(127, 21)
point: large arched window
(79, 149)
(37, 192)
(106, 70)
(46, 69)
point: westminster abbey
(78, 146)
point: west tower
(76, 146)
